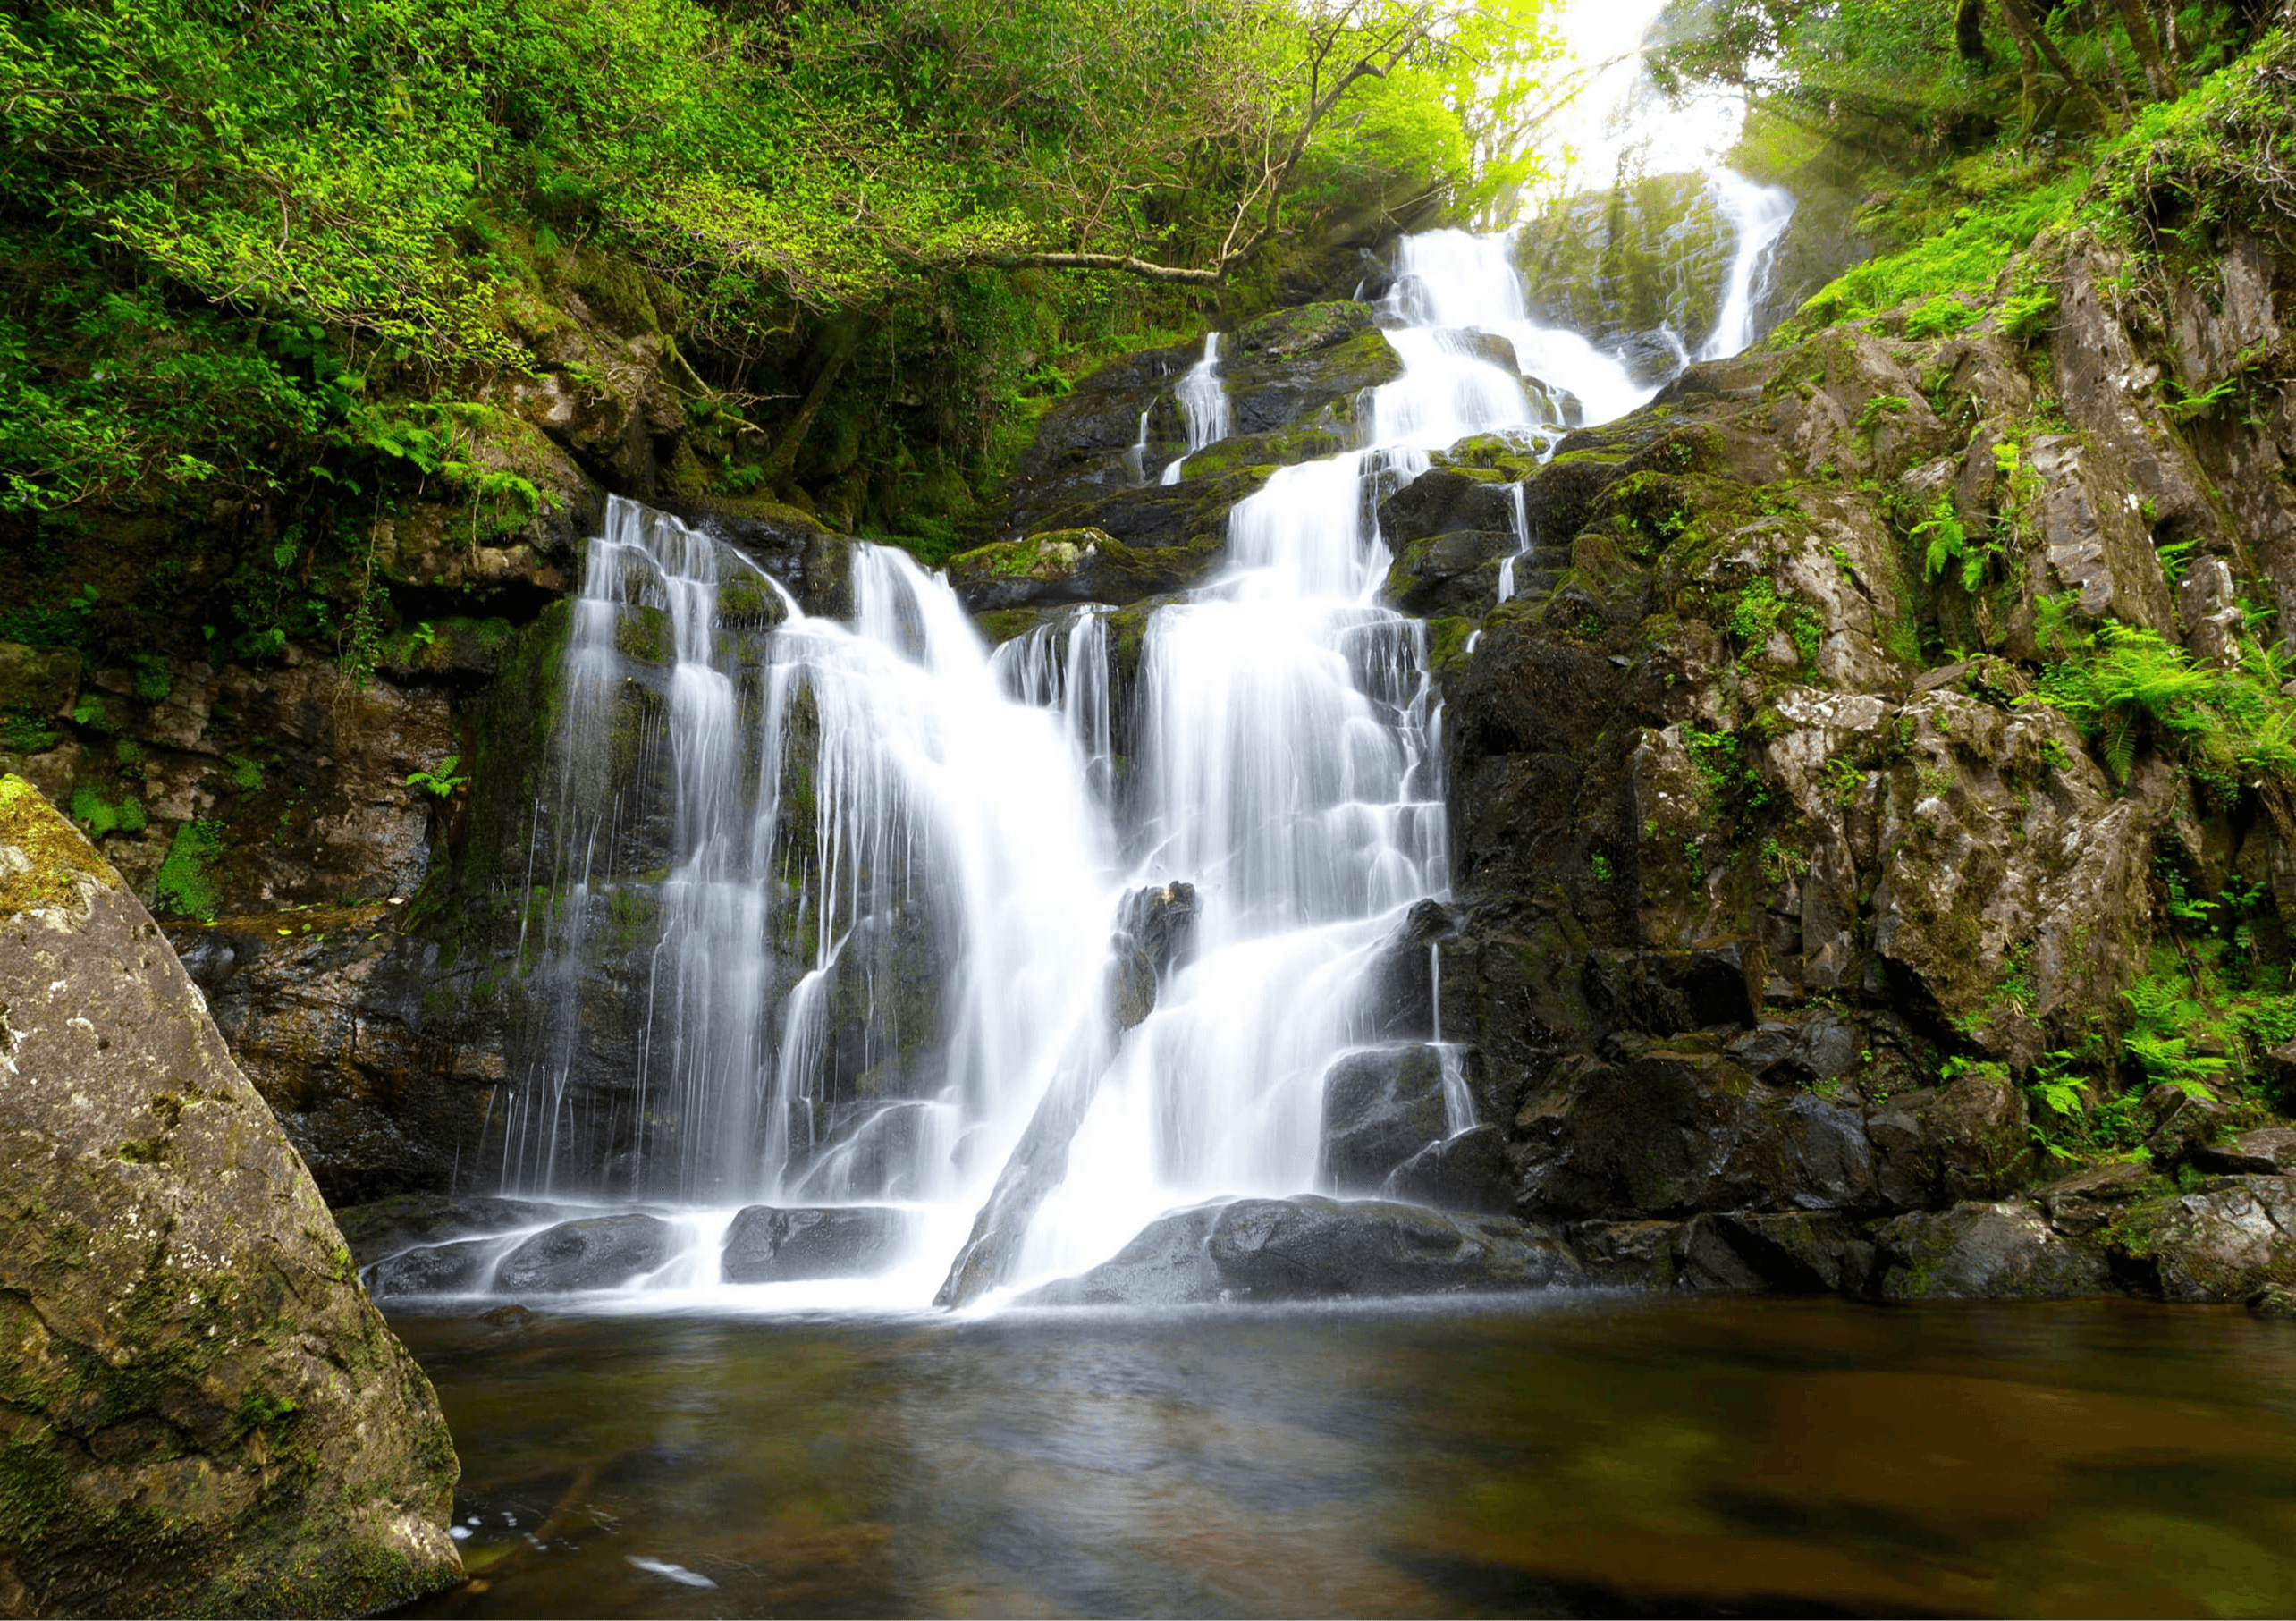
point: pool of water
(1590, 1456)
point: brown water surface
(1598, 1457)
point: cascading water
(897, 857)
(1759, 216)
(1203, 406)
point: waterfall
(1759, 216)
(882, 864)
(1204, 405)
(1520, 522)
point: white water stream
(900, 853)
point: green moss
(644, 634)
(99, 816)
(185, 885)
(1004, 624)
(58, 857)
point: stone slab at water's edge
(1314, 1248)
(204, 1413)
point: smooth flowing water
(1598, 1456)
(883, 938)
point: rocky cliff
(201, 1412)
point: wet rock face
(1381, 1107)
(597, 1253)
(379, 1094)
(392, 1226)
(767, 1245)
(208, 1416)
(1313, 1248)
(1773, 882)
(1064, 566)
(1621, 265)
(1465, 1172)
(1291, 379)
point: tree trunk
(1969, 33)
(785, 454)
(2158, 77)
(2030, 32)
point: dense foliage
(226, 223)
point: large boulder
(204, 1413)
(1313, 1248)
(2232, 1240)
(770, 1244)
(1987, 1252)
(596, 1253)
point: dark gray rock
(1788, 1251)
(1456, 572)
(1636, 1254)
(1717, 982)
(1672, 1127)
(1466, 1171)
(872, 1160)
(388, 1226)
(1966, 1140)
(1987, 1252)
(767, 1243)
(2080, 1204)
(1381, 1106)
(2267, 1151)
(1063, 568)
(1309, 1248)
(597, 1253)
(1155, 929)
(1313, 1248)
(1165, 1264)
(433, 1268)
(2183, 1124)
(1397, 1001)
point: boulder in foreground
(201, 1412)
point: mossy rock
(207, 1415)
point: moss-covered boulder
(1068, 566)
(201, 1412)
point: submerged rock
(597, 1253)
(206, 1412)
(1313, 1248)
(770, 1244)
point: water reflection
(1607, 1458)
